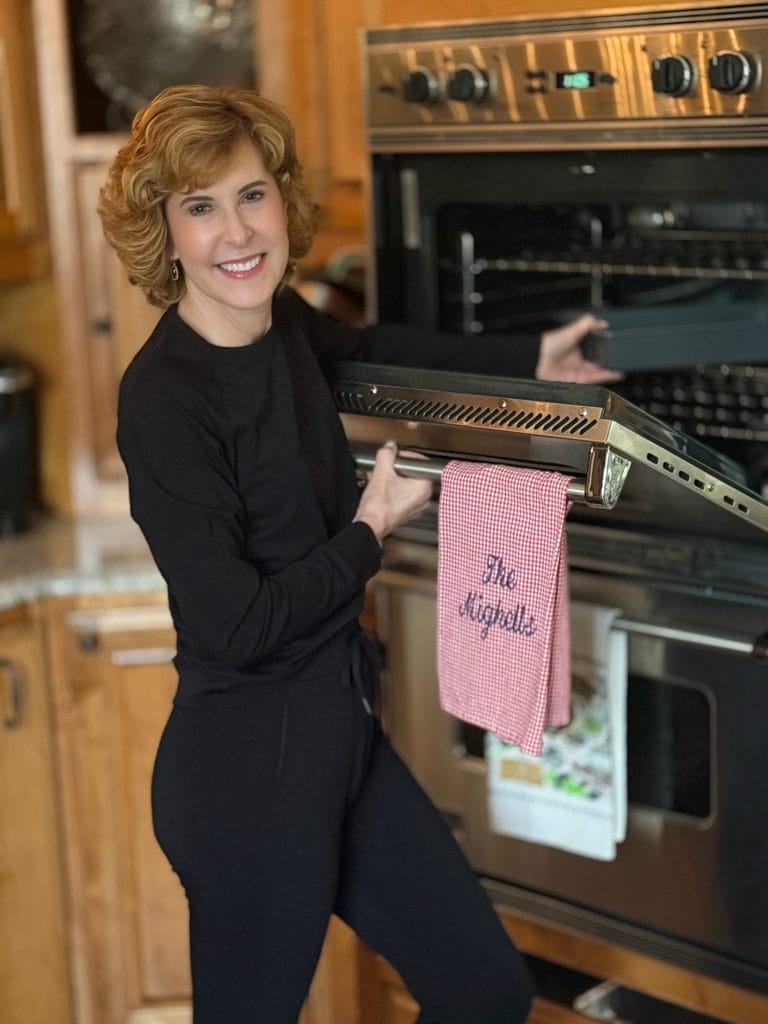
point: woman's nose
(237, 227)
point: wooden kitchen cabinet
(113, 683)
(102, 319)
(561, 952)
(34, 985)
(386, 1000)
(116, 318)
(310, 60)
(23, 233)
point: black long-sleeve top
(241, 480)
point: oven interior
(670, 246)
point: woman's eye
(253, 196)
(198, 209)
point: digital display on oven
(574, 79)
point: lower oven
(688, 884)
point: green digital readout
(574, 79)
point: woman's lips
(242, 267)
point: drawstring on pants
(362, 659)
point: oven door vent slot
(462, 414)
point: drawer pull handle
(13, 718)
(143, 656)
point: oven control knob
(421, 86)
(733, 71)
(468, 84)
(672, 75)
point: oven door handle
(730, 642)
(601, 488)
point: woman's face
(232, 241)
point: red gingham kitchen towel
(503, 623)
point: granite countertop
(56, 558)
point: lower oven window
(670, 747)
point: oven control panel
(599, 74)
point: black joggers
(277, 815)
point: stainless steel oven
(523, 170)
(528, 169)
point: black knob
(468, 83)
(672, 75)
(733, 71)
(421, 86)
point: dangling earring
(175, 271)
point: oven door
(689, 883)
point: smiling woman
(275, 794)
(231, 242)
(183, 150)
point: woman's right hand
(389, 499)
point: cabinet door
(384, 999)
(33, 972)
(23, 244)
(114, 684)
(153, 910)
(117, 319)
(309, 58)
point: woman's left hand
(561, 356)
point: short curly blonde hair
(184, 139)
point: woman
(275, 795)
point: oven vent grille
(633, 19)
(464, 414)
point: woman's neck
(225, 328)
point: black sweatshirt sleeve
(401, 345)
(184, 498)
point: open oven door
(630, 468)
(664, 529)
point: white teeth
(240, 267)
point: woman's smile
(242, 268)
